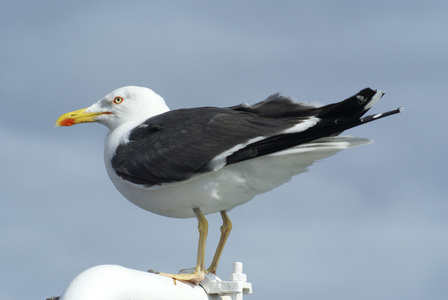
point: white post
(238, 275)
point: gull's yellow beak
(78, 116)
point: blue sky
(367, 223)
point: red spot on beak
(67, 122)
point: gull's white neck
(118, 136)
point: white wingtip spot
(374, 99)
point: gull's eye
(118, 100)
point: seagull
(192, 162)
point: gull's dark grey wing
(178, 144)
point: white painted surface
(112, 282)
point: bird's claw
(195, 277)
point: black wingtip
(382, 115)
(366, 94)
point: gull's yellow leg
(225, 231)
(203, 231)
(198, 274)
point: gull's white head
(126, 104)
